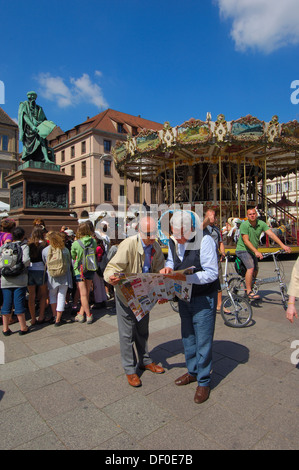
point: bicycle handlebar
(265, 255)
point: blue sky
(167, 60)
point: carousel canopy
(246, 141)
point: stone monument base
(40, 190)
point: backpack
(11, 259)
(240, 267)
(88, 260)
(56, 262)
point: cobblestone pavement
(64, 388)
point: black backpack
(240, 267)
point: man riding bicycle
(247, 247)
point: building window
(72, 151)
(73, 170)
(120, 128)
(62, 170)
(4, 184)
(84, 193)
(4, 142)
(121, 190)
(83, 147)
(62, 156)
(134, 130)
(107, 167)
(83, 169)
(107, 145)
(136, 194)
(73, 195)
(108, 192)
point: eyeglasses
(149, 234)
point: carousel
(221, 165)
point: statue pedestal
(40, 190)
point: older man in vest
(190, 247)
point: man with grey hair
(136, 254)
(190, 247)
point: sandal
(253, 296)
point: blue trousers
(197, 326)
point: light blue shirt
(208, 261)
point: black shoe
(59, 323)
(22, 333)
(7, 333)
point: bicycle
(238, 286)
(236, 310)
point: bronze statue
(34, 128)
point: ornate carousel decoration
(216, 163)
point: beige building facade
(85, 152)
(9, 149)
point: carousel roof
(247, 140)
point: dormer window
(120, 128)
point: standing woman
(37, 277)
(14, 288)
(84, 280)
(6, 228)
(58, 285)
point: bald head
(148, 230)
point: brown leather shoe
(185, 379)
(153, 367)
(202, 394)
(134, 380)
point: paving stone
(46, 442)
(17, 368)
(55, 399)
(56, 356)
(35, 380)
(137, 415)
(178, 435)
(10, 395)
(85, 427)
(78, 369)
(20, 424)
(227, 428)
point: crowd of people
(44, 273)
(54, 268)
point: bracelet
(291, 303)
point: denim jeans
(197, 326)
(13, 296)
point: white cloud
(79, 90)
(266, 25)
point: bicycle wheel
(236, 311)
(174, 305)
(284, 296)
(237, 286)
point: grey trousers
(132, 333)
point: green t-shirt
(254, 234)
